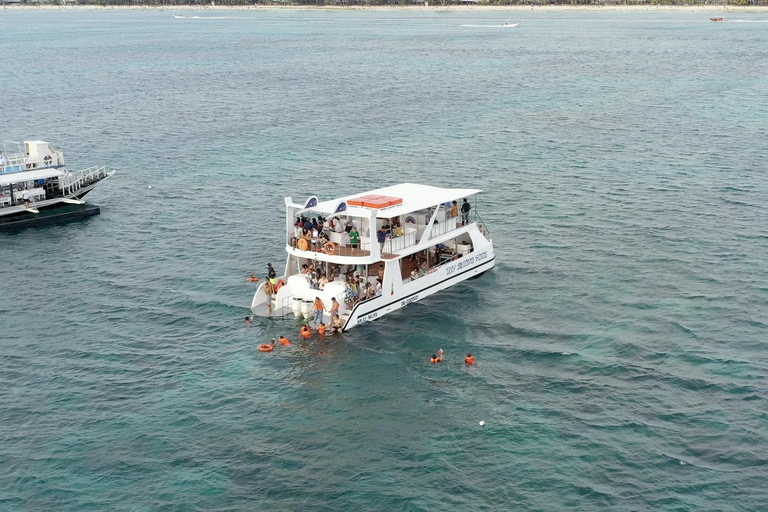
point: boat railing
(441, 228)
(285, 308)
(343, 249)
(74, 181)
(398, 243)
(481, 226)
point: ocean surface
(621, 340)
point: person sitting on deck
(414, 275)
(423, 268)
(336, 325)
(377, 291)
(322, 239)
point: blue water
(621, 339)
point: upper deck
(406, 216)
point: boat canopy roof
(414, 197)
(20, 177)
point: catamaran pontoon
(36, 188)
(430, 242)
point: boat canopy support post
(427, 235)
(374, 242)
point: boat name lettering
(466, 262)
(367, 318)
(407, 301)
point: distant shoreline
(462, 8)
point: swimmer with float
(321, 330)
(284, 341)
(305, 332)
(434, 359)
(469, 360)
(252, 278)
(267, 347)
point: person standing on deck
(25, 197)
(334, 307)
(465, 207)
(3, 161)
(354, 237)
(319, 307)
(269, 289)
(381, 236)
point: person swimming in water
(248, 321)
(305, 332)
(321, 330)
(284, 341)
(469, 359)
(434, 359)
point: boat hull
(48, 216)
(475, 264)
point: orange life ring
(330, 248)
(303, 244)
(280, 284)
(265, 348)
(252, 279)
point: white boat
(426, 250)
(510, 25)
(36, 170)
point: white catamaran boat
(37, 189)
(406, 241)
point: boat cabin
(412, 227)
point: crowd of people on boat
(314, 233)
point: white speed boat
(402, 241)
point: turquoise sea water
(621, 339)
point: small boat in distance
(37, 189)
(403, 243)
(717, 19)
(510, 25)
